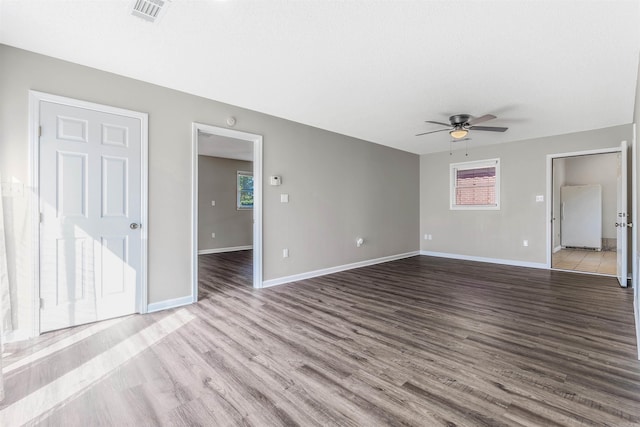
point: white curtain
(5, 299)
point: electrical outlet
(429, 237)
(285, 253)
(213, 203)
(213, 235)
(525, 243)
(426, 237)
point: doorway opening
(227, 209)
(588, 212)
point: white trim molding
(221, 250)
(515, 263)
(336, 269)
(169, 303)
(634, 233)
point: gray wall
(217, 181)
(598, 169)
(340, 188)
(499, 234)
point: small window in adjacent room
(245, 190)
(475, 185)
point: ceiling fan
(461, 124)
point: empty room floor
(602, 262)
(422, 341)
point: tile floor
(603, 262)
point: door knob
(134, 226)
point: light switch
(213, 203)
(539, 198)
(284, 198)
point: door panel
(71, 187)
(115, 182)
(90, 193)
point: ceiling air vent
(148, 10)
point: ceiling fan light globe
(458, 133)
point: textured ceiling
(370, 69)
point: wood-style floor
(421, 341)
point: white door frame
(257, 199)
(634, 235)
(35, 98)
(550, 157)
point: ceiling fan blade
(437, 123)
(481, 119)
(489, 128)
(433, 131)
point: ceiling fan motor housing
(460, 119)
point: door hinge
(41, 303)
(41, 217)
(39, 131)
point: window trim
(477, 164)
(238, 191)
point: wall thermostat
(276, 180)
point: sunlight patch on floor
(75, 382)
(62, 344)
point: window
(245, 190)
(475, 185)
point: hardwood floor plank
(419, 341)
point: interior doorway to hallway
(227, 207)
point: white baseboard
(170, 303)
(17, 335)
(220, 250)
(330, 270)
(557, 249)
(515, 263)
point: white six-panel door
(90, 238)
